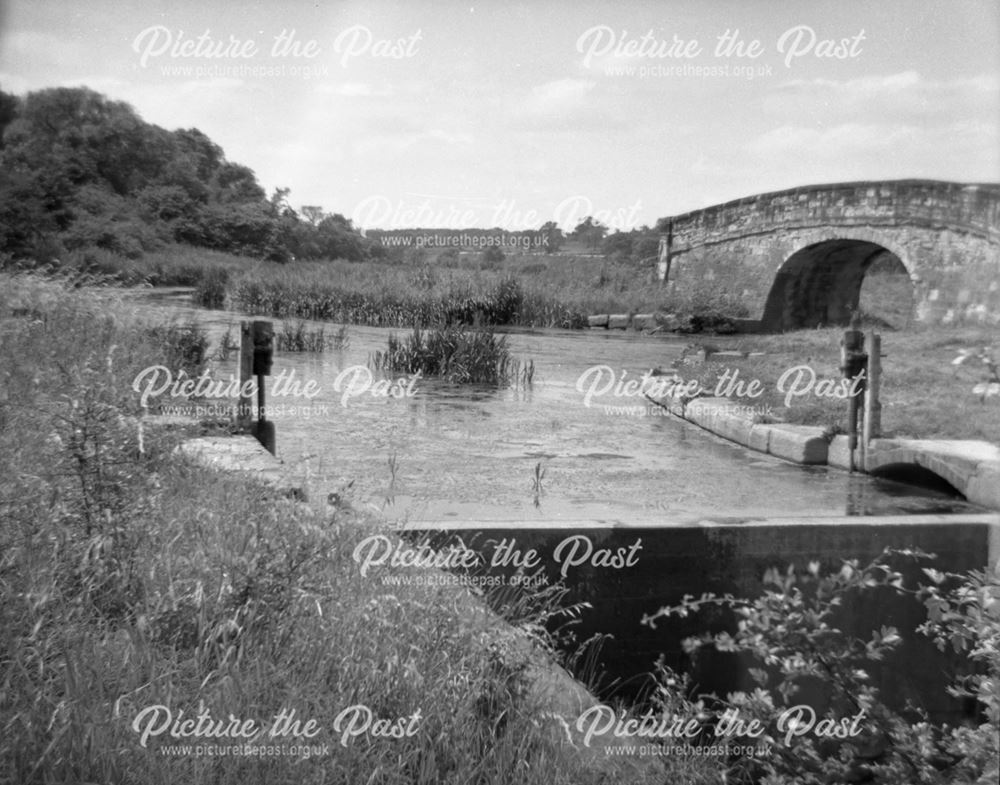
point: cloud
(353, 90)
(560, 105)
(396, 143)
(558, 97)
(965, 150)
(906, 94)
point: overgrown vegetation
(457, 355)
(797, 638)
(131, 579)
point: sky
(454, 114)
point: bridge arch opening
(921, 476)
(820, 285)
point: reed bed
(528, 290)
(457, 355)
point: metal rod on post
(873, 407)
(852, 365)
(852, 430)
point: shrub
(793, 637)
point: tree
(552, 237)
(590, 232)
(312, 213)
(83, 170)
(9, 105)
(618, 244)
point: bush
(793, 637)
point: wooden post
(263, 340)
(873, 407)
(244, 409)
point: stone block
(759, 438)
(598, 321)
(701, 411)
(644, 321)
(734, 427)
(798, 443)
(618, 321)
(838, 454)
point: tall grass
(530, 290)
(559, 292)
(457, 355)
(131, 578)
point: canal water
(534, 465)
(538, 454)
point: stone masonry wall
(947, 235)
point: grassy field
(131, 578)
(923, 395)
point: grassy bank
(133, 579)
(923, 394)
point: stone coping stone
(973, 467)
(806, 444)
(242, 453)
(838, 454)
(984, 486)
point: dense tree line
(79, 171)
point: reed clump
(456, 355)
(300, 337)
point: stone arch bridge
(797, 257)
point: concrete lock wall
(798, 257)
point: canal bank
(971, 467)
